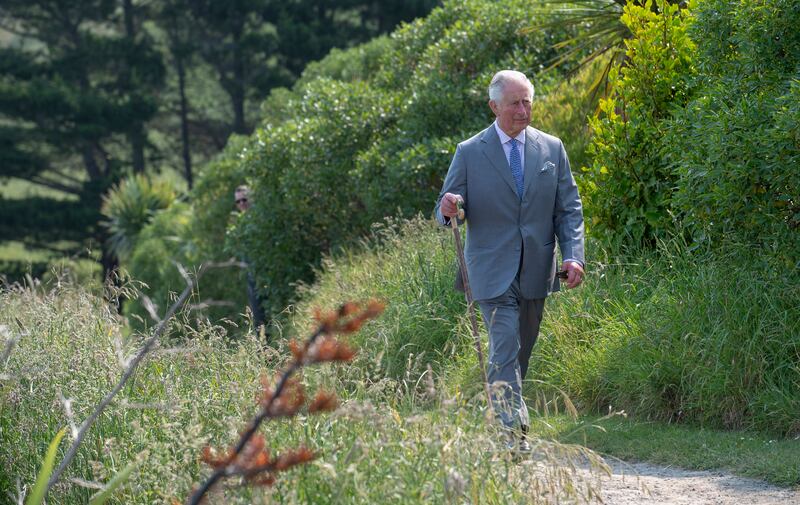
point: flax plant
(249, 458)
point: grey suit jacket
(501, 229)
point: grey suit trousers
(513, 323)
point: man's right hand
(449, 206)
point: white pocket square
(548, 166)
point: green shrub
(129, 206)
(190, 233)
(357, 63)
(351, 153)
(631, 183)
(735, 148)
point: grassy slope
(408, 432)
(694, 340)
(383, 446)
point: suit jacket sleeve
(568, 213)
(454, 182)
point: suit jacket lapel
(532, 158)
(494, 152)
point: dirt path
(642, 483)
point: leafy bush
(736, 147)
(129, 206)
(190, 234)
(351, 153)
(354, 64)
(631, 183)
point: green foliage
(631, 182)
(346, 154)
(357, 63)
(412, 267)
(129, 206)
(40, 487)
(672, 334)
(710, 338)
(190, 234)
(304, 199)
(159, 248)
(119, 479)
(181, 402)
(735, 148)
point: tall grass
(712, 338)
(182, 399)
(671, 334)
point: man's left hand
(575, 273)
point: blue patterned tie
(516, 167)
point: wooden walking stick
(470, 302)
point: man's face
(513, 110)
(242, 201)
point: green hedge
(343, 155)
(736, 147)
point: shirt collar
(505, 138)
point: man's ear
(493, 106)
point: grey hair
(501, 78)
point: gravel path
(642, 483)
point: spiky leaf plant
(129, 206)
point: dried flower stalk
(249, 458)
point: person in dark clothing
(242, 201)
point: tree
(238, 40)
(73, 87)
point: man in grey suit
(519, 196)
